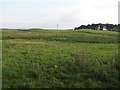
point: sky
(48, 13)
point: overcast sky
(49, 13)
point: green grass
(39, 58)
(88, 36)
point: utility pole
(57, 26)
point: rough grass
(64, 36)
(60, 59)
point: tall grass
(60, 59)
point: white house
(104, 28)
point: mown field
(37, 58)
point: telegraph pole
(57, 26)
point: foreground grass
(35, 58)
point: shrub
(79, 58)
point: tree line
(100, 26)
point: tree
(100, 26)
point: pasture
(37, 58)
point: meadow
(38, 58)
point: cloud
(66, 13)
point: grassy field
(37, 58)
